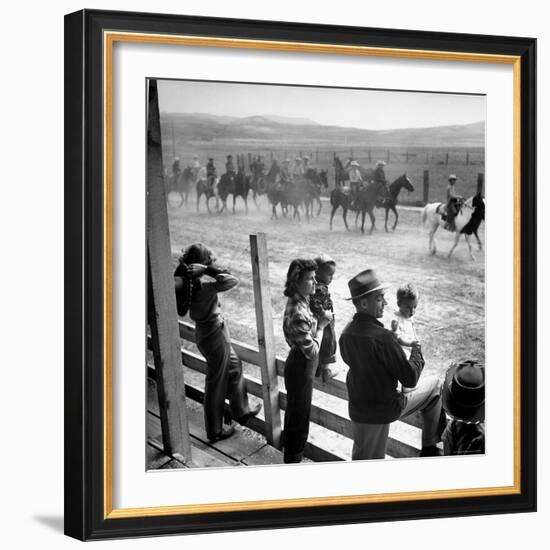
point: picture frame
(90, 36)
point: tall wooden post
(161, 307)
(446, 158)
(426, 186)
(266, 339)
(480, 182)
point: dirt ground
(450, 318)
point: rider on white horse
(453, 204)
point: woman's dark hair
(295, 273)
(198, 253)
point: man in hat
(453, 203)
(305, 163)
(376, 364)
(196, 167)
(464, 401)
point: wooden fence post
(426, 186)
(480, 182)
(161, 306)
(266, 339)
(446, 158)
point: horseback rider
(176, 169)
(285, 170)
(380, 182)
(453, 204)
(230, 167)
(298, 169)
(305, 163)
(355, 177)
(211, 173)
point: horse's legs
(273, 211)
(333, 211)
(198, 200)
(345, 216)
(480, 246)
(357, 218)
(372, 220)
(394, 210)
(245, 198)
(457, 238)
(320, 206)
(363, 214)
(467, 237)
(386, 220)
(431, 241)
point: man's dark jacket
(376, 362)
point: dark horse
(276, 190)
(366, 199)
(237, 185)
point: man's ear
(364, 303)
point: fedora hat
(463, 394)
(364, 283)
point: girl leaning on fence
(198, 280)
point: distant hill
(201, 128)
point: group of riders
(291, 172)
(288, 171)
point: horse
(315, 181)
(276, 190)
(340, 173)
(237, 185)
(182, 185)
(467, 222)
(206, 188)
(368, 198)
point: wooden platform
(245, 448)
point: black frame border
(84, 253)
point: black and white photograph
(327, 249)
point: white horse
(467, 221)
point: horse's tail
(424, 217)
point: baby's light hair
(407, 292)
(324, 259)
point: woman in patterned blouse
(302, 333)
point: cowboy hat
(364, 283)
(463, 394)
(380, 163)
(452, 177)
(354, 163)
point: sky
(370, 109)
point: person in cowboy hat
(305, 163)
(453, 203)
(229, 166)
(464, 402)
(376, 364)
